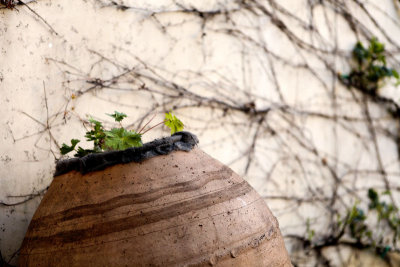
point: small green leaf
(344, 76)
(118, 116)
(119, 139)
(93, 121)
(65, 149)
(395, 74)
(96, 134)
(385, 250)
(382, 59)
(368, 234)
(360, 53)
(376, 47)
(373, 197)
(83, 152)
(172, 122)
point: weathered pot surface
(178, 209)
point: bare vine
(270, 127)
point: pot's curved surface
(181, 209)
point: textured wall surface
(256, 81)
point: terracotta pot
(180, 209)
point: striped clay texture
(181, 209)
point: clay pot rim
(180, 141)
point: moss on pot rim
(184, 141)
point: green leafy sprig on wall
(116, 138)
(369, 68)
(387, 216)
(369, 72)
(377, 228)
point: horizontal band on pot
(183, 141)
(76, 236)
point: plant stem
(153, 126)
(147, 123)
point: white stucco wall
(43, 66)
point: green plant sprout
(310, 232)
(386, 214)
(369, 68)
(173, 123)
(116, 138)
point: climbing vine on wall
(279, 79)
